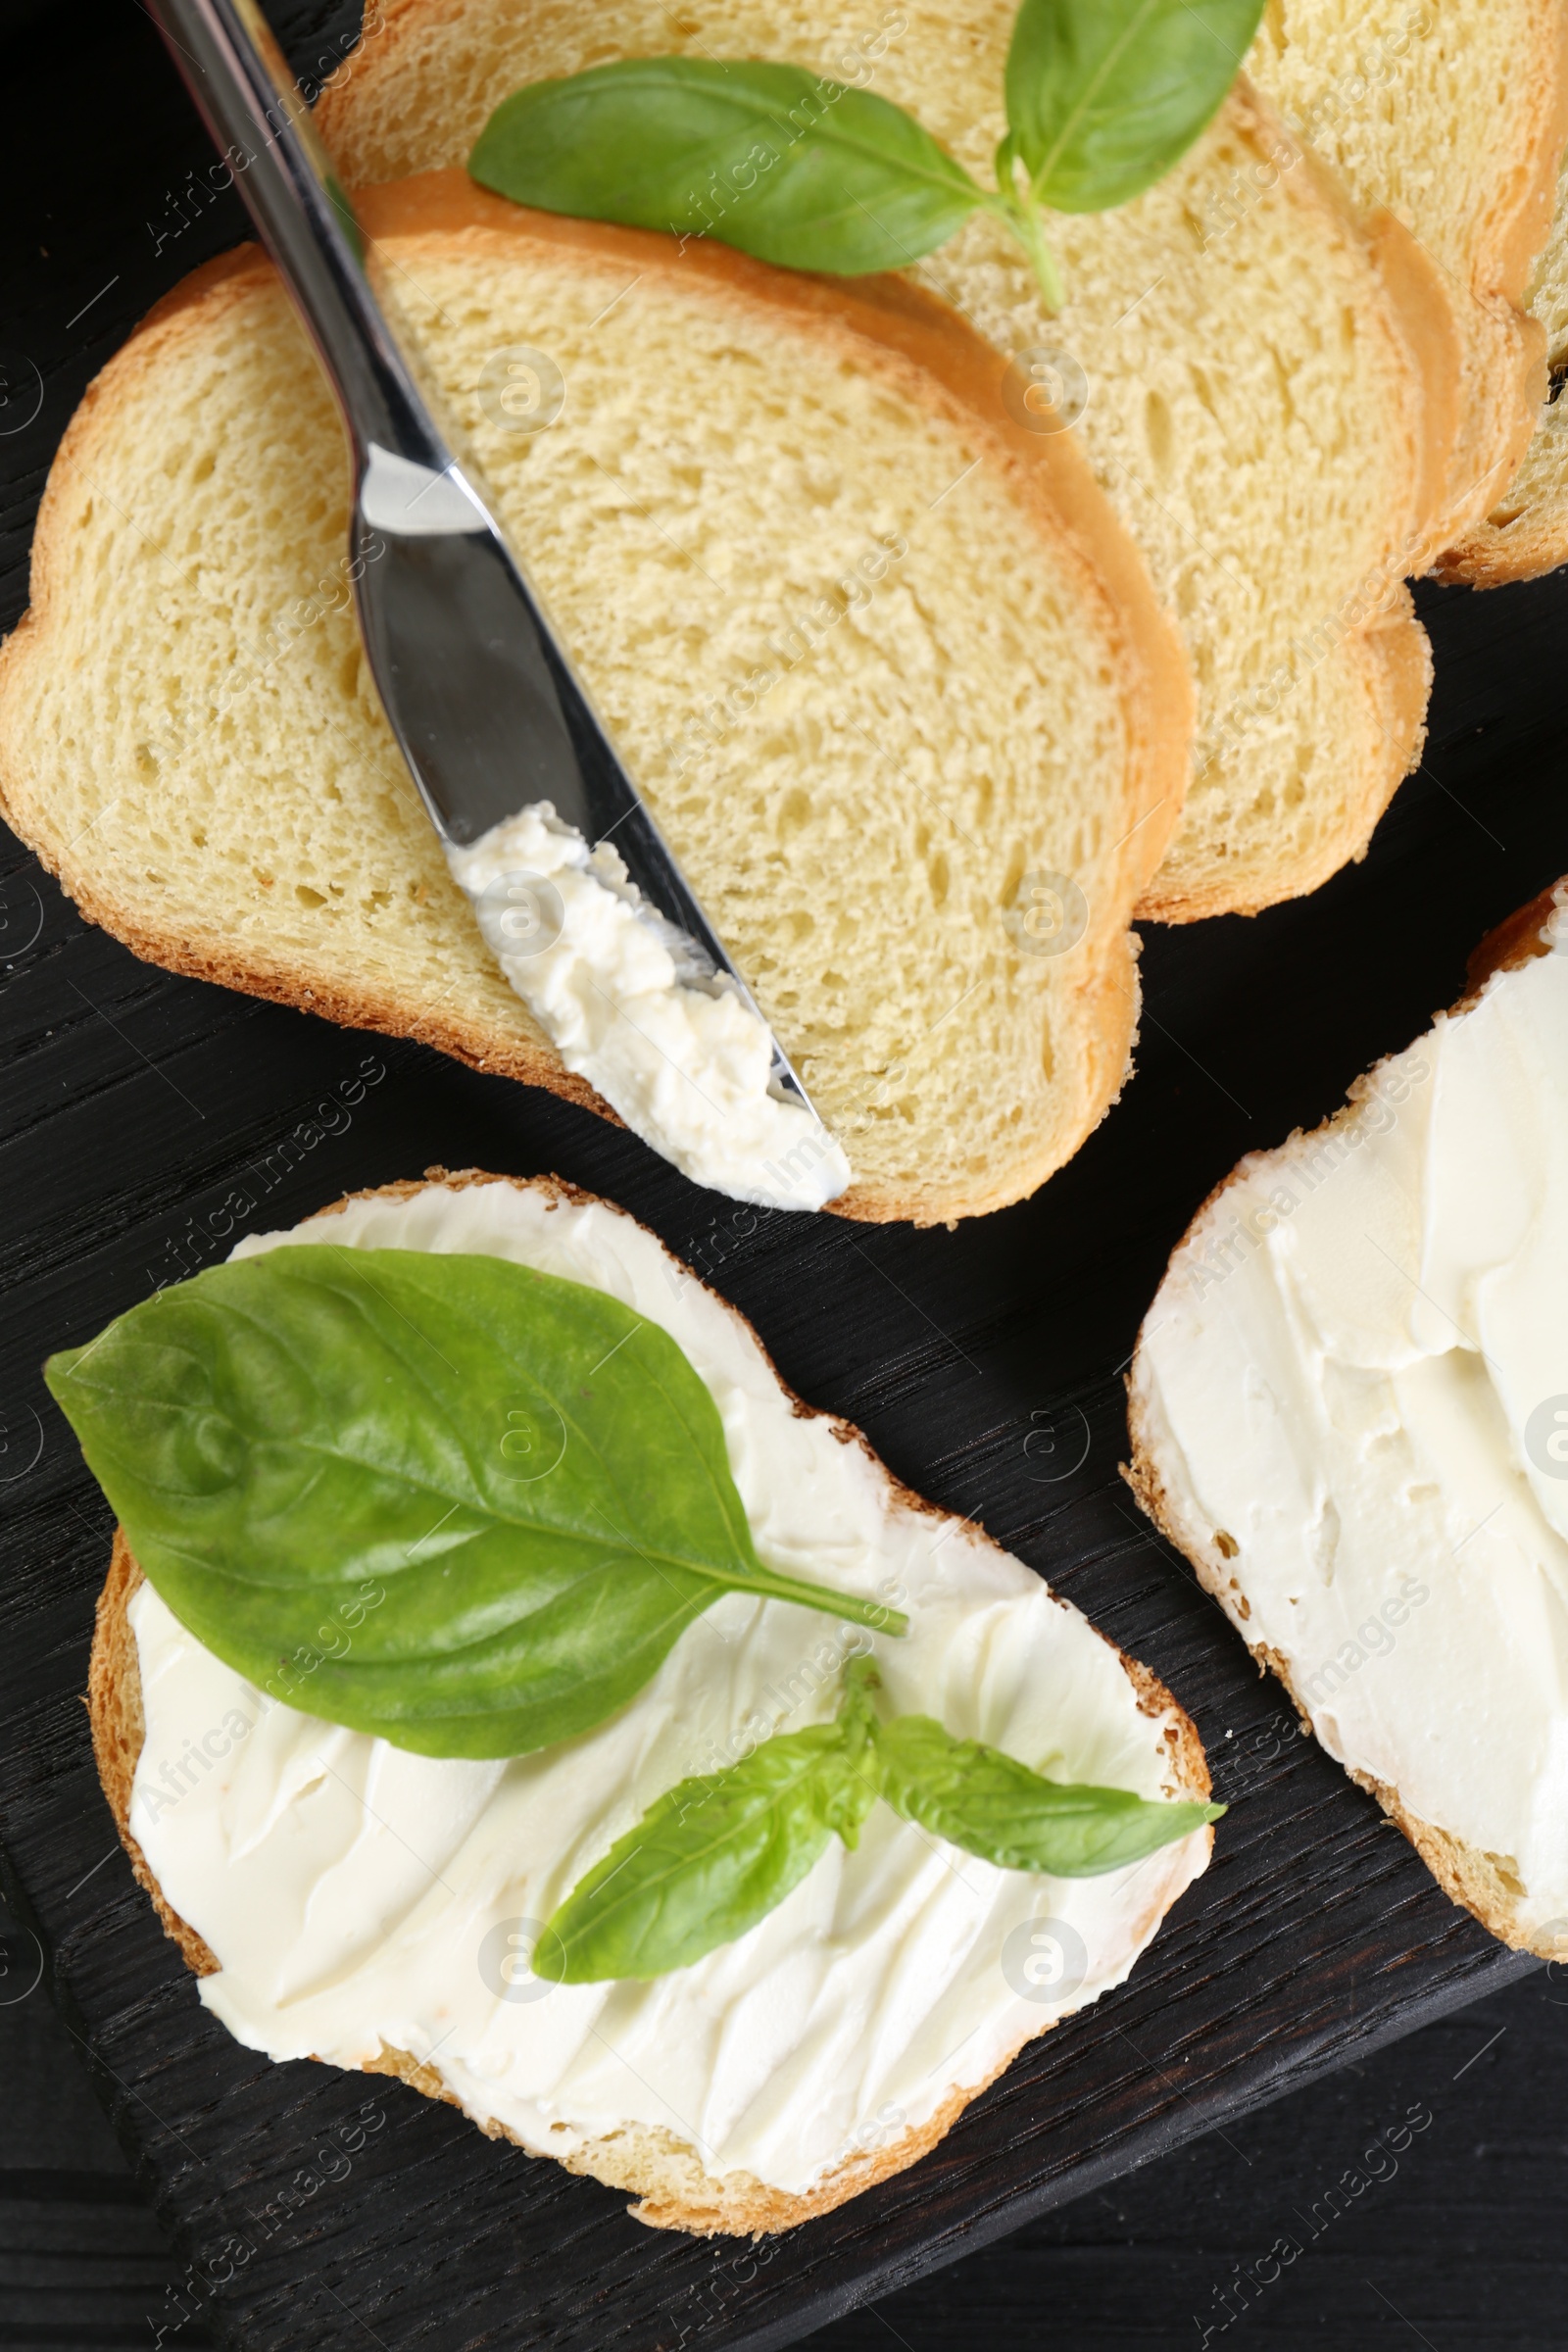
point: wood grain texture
(985, 1366)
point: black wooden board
(985, 1364)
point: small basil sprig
(529, 1477)
(1102, 98)
(715, 1853)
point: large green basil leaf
(977, 1797)
(785, 164)
(1103, 96)
(444, 1498)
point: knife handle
(258, 120)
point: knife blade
(477, 687)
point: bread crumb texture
(1525, 532)
(880, 659)
(1254, 403)
(1449, 113)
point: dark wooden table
(984, 1363)
(1455, 2242)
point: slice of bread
(1525, 532)
(1266, 1191)
(678, 2190)
(1270, 389)
(1451, 115)
(887, 666)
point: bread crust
(1419, 295)
(1517, 940)
(1481, 1883)
(1414, 282)
(1525, 548)
(1488, 553)
(1395, 659)
(912, 331)
(1502, 425)
(1519, 223)
(206, 292)
(1501, 348)
(675, 2190)
(1387, 642)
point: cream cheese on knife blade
(686, 1065)
(357, 1894)
(1352, 1391)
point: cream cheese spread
(357, 1895)
(685, 1061)
(1354, 1389)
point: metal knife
(479, 692)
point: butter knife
(479, 692)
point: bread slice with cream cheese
(891, 674)
(831, 2045)
(1265, 386)
(1349, 1410)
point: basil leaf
(709, 1859)
(442, 1499)
(717, 1852)
(992, 1806)
(1103, 96)
(782, 163)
